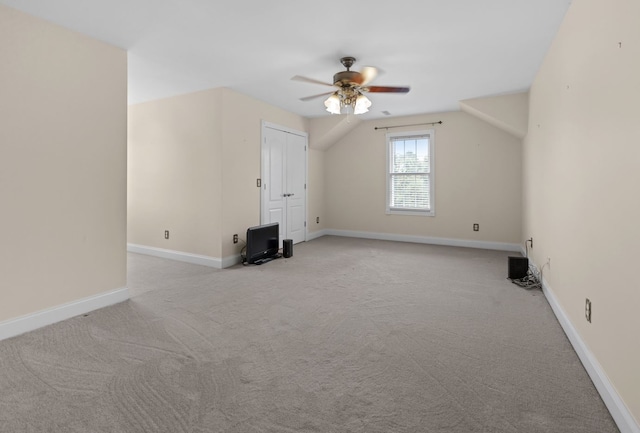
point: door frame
(264, 125)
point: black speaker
(287, 248)
(518, 267)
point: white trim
(619, 411)
(196, 259)
(30, 322)
(415, 212)
(468, 243)
(306, 186)
(266, 124)
(229, 261)
(315, 235)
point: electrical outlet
(587, 310)
(235, 239)
(166, 234)
(476, 227)
(317, 220)
(258, 183)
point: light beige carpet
(347, 335)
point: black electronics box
(287, 248)
(518, 267)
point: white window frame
(395, 211)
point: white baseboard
(229, 261)
(468, 243)
(619, 411)
(20, 325)
(196, 259)
(315, 235)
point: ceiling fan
(352, 85)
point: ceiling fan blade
(309, 98)
(368, 74)
(388, 89)
(310, 80)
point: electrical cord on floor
(243, 255)
(529, 281)
(243, 252)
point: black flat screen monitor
(262, 242)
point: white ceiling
(446, 50)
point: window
(410, 173)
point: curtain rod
(413, 124)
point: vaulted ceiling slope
(446, 50)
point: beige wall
(193, 164)
(582, 182)
(316, 197)
(241, 132)
(477, 180)
(175, 154)
(507, 112)
(63, 115)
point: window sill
(429, 213)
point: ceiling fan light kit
(333, 104)
(357, 101)
(362, 105)
(351, 88)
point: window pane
(410, 155)
(397, 165)
(423, 155)
(410, 191)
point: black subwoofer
(287, 248)
(518, 267)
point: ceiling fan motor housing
(347, 78)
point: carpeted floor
(348, 335)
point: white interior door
(284, 174)
(273, 179)
(295, 170)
